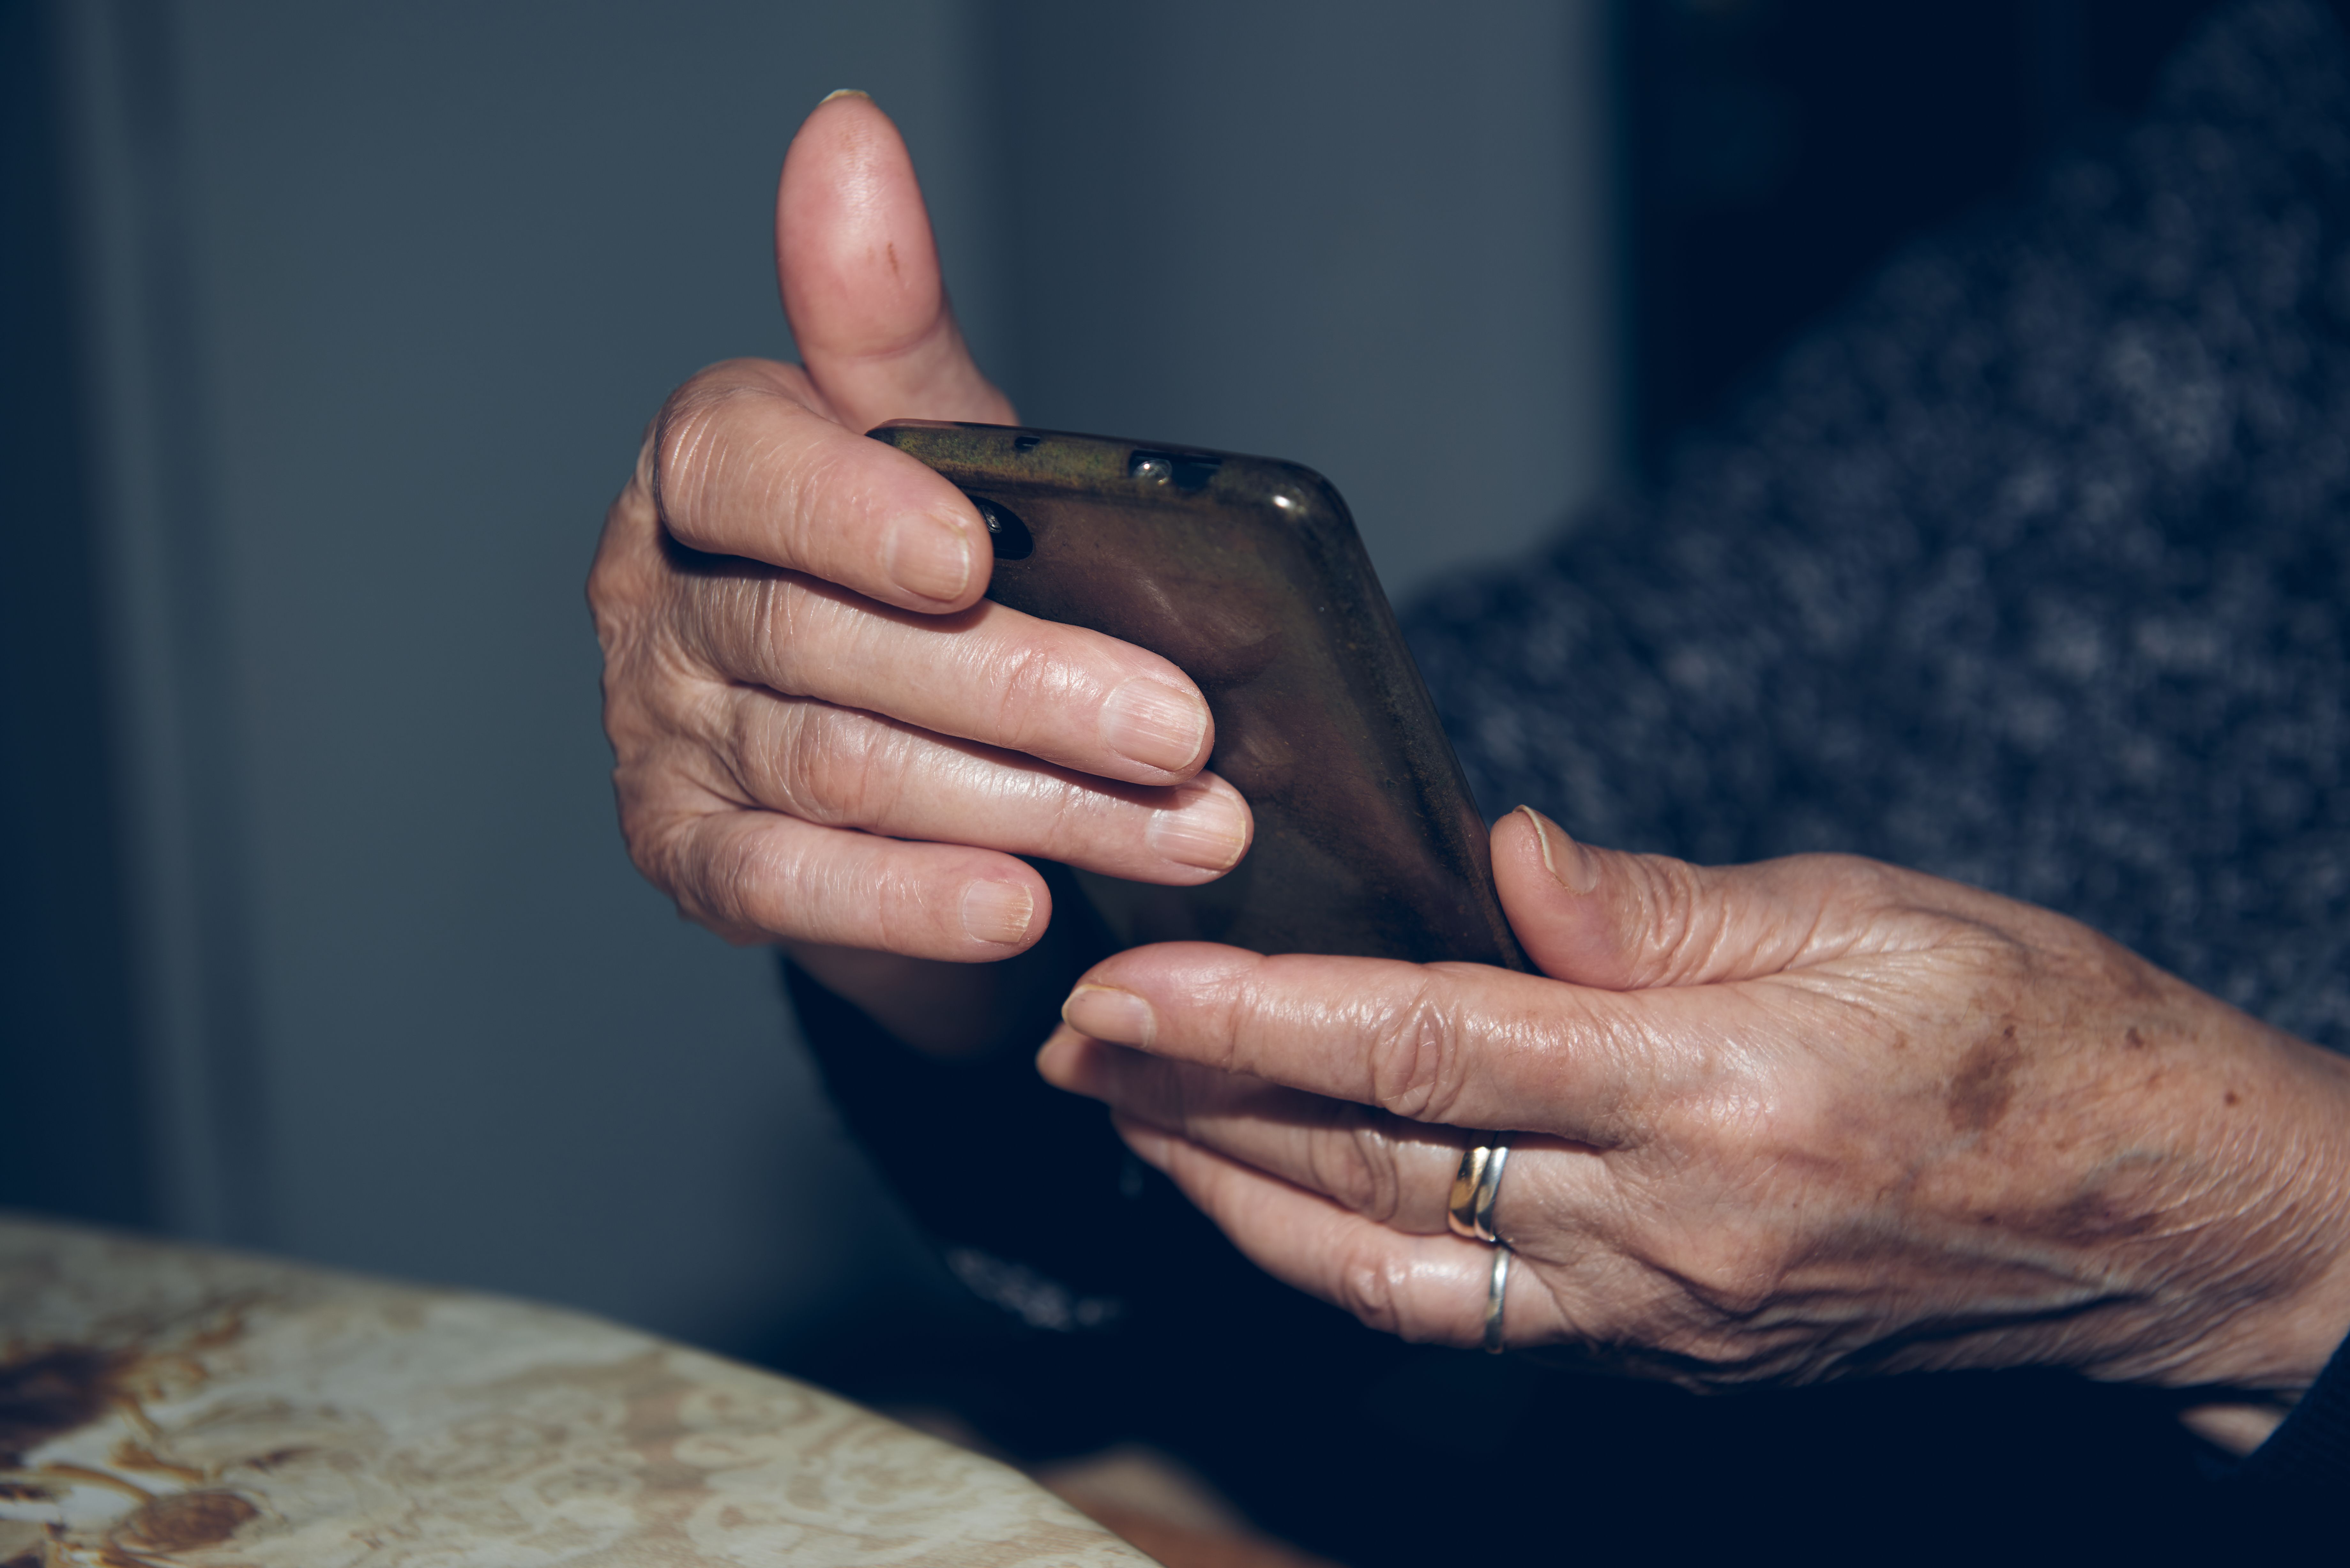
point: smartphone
(1247, 575)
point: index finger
(745, 459)
(1463, 1044)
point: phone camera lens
(1188, 472)
(1010, 536)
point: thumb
(859, 273)
(1628, 922)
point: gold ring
(1475, 1188)
(1497, 1286)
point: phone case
(1247, 573)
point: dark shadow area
(76, 1139)
(1779, 149)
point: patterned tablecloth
(167, 1405)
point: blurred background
(327, 331)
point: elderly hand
(1772, 1122)
(824, 735)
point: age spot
(1985, 1082)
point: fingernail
(844, 92)
(930, 556)
(1211, 831)
(1151, 722)
(1575, 867)
(1107, 1013)
(997, 912)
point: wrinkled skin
(1807, 1119)
(824, 737)
(1775, 1123)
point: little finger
(1429, 1289)
(755, 876)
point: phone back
(1246, 573)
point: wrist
(2279, 1309)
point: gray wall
(1374, 239)
(377, 298)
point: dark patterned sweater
(2028, 568)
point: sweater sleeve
(1033, 1203)
(2310, 1451)
(2025, 569)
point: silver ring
(1497, 1288)
(1475, 1188)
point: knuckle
(655, 775)
(1415, 1058)
(1033, 687)
(742, 626)
(1660, 1321)
(628, 708)
(620, 581)
(694, 449)
(1732, 1276)
(1370, 1285)
(759, 883)
(776, 625)
(1722, 1356)
(821, 763)
(804, 485)
(905, 917)
(612, 595)
(1673, 902)
(1356, 1168)
(1699, 1319)
(673, 851)
(616, 576)
(684, 437)
(711, 725)
(740, 884)
(652, 834)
